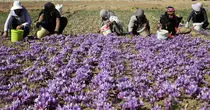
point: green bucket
(16, 35)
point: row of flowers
(97, 72)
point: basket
(162, 34)
(16, 35)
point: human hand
(187, 24)
(19, 27)
(4, 34)
(177, 30)
(170, 35)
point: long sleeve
(205, 15)
(101, 22)
(131, 23)
(163, 21)
(28, 21)
(6, 25)
(190, 16)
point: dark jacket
(49, 21)
(198, 17)
(170, 24)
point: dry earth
(121, 5)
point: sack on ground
(184, 30)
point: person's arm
(163, 22)
(188, 19)
(205, 15)
(40, 19)
(57, 25)
(116, 28)
(131, 24)
(101, 22)
(28, 19)
(6, 25)
(190, 16)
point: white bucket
(197, 26)
(162, 34)
(105, 30)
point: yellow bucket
(42, 32)
(16, 35)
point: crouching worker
(198, 16)
(18, 18)
(110, 23)
(170, 22)
(50, 21)
(139, 25)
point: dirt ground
(120, 5)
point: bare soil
(120, 5)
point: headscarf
(103, 13)
(200, 4)
(196, 7)
(141, 18)
(170, 10)
(48, 7)
(139, 12)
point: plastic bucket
(162, 34)
(197, 26)
(16, 35)
(105, 30)
(42, 32)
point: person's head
(200, 4)
(49, 6)
(103, 14)
(197, 7)
(170, 11)
(139, 13)
(17, 7)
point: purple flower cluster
(105, 72)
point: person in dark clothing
(109, 18)
(170, 22)
(198, 15)
(138, 24)
(50, 19)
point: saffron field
(84, 70)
